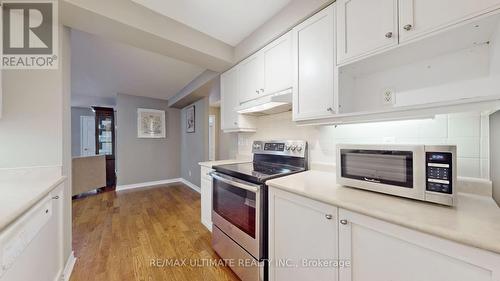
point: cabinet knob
(343, 222)
(408, 27)
(55, 197)
(330, 109)
(388, 35)
(328, 216)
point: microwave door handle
(250, 187)
(372, 180)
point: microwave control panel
(439, 176)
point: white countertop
(23, 188)
(210, 164)
(474, 221)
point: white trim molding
(191, 185)
(147, 184)
(160, 182)
(68, 268)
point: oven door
(237, 211)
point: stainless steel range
(240, 204)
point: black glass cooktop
(257, 172)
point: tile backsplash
(469, 131)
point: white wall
(469, 131)
(32, 110)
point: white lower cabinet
(31, 247)
(380, 251)
(206, 197)
(310, 240)
(302, 234)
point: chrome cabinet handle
(344, 222)
(408, 27)
(55, 197)
(388, 35)
(328, 216)
(330, 110)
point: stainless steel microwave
(421, 172)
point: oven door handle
(235, 182)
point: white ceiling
(227, 20)
(103, 68)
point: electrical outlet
(388, 97)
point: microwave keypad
(439, 172)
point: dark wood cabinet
(105, 140)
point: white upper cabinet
(365, 26)
(231, 121)
(278, 65)
(314, 66)
(251, 78)
(301, 230)
(420, 17)
(268, 71)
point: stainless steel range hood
(270, 104)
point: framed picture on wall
(190, 119)
(151, 123)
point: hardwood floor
(133, 235)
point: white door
(278, 65)
(379, 251)
(420, 17)
(301, 231)
(211, 137)
(251, 78)
(314, 66)
(365, 27)
(87, 135)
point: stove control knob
(288, 147)
(294, 147)
(299, 148)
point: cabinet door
(380, 251)
(251, 78)
(206, 203)
(301, 231)
(229, 99)
(420, 17)
(365, 27)
(278, 65)
(314, 66)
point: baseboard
(191, 185)
(68, 268)
(147, 184)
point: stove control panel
(287, 148)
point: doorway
(87, 135)
(211, 137)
